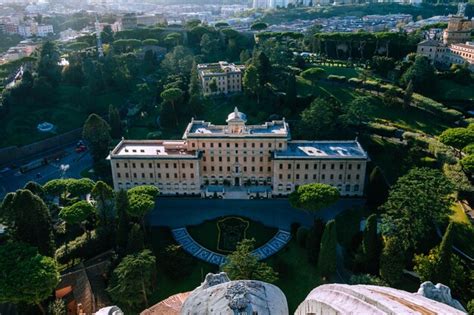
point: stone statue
(218, 295)
(440, 293)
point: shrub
(440, 151)
(367, 279)
(428, 161)
(371, 85)
(84, 247)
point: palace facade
(226, 77)
(237, 154)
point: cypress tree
(377, 189)
(327, 254)
(443, 268)
(370, 246)
(313, 241)
(121, 208)
(392, 261)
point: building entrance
(237, 181)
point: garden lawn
(207, 234)
(348, 72)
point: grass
(207, 234)
(348, 72)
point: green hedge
(436, 108)
(441, 152)
(338, 78)
(83, 247)
(382, 130)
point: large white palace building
(237, 154)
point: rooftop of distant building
(219, 68)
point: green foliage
(457, 178)
(420, 72)
(313, 241)
(35, 188)
(321, 119)
(417, 199)
(96, 132)
(140, 205)
(115, 122)
(136, 240)
(436, 108)
(250, 80)
(367, 279)
(132, 280)
(358, 111)
(28, 220)
(243, 265)
(79, 187)
(77, 213)
(469, 149)
(148, 190)
(370, 244)
(338, 78)
(381, 129)
(467, 163)
(259, 26)
(377, 188)
(57, 307)
(121, 208)
(103, 195)
(457, 137)
(314, 197)
(382, 65)
(55, 187)
(392, 261)
(26, 277)
(470, 307)
(84, 247)
(314, 74)
(176, 263)
(328, 253)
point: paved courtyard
(180, 212)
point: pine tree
(115, 122)
(28, 220)
(328, 252)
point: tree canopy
(314, 197)
(242, 264)
(26, 277)
(416, 201)
(457, 137)
(96, 132)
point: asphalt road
(12, 180)
(180, 212)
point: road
(180, 212)
(12, 180)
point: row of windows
(236, 159)
(158, 165)
(323, 176)
(245, 169)
(236, 145)
(315, 166)
(150, 175)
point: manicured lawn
(207, 234)
(348, 72)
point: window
(324, 166)
(269, 145)
(118, 175)
(158, 165)
(331, 176)
(314, 176)
(332, 166)
(117, 165)
(191, 165)
(348, 187)
(289, 176)
(289, 166)
(220, 158)
(175, 165)
(261, 159)
(212, 159)
(297, 176)
(245, 144)
(175, 175)
(183, 165)
(357, 176)
(126, 165)
(281, 166)
(349, 166)
(341, 166)
(150, 165)
(192, 175)
(228, 159)
(253, 158)
(245, 168)
(323, 176)
(228, 144)
(204, 145)
(253, 168)
(166, 165)
(261, 144)
(297, 166)
(167, 175)
(245, 159)
(220, 168)
(134, 175)
(253, 145)
(280, 176)
(348, 176)
(306, 166)
(212, 168)
(204, 168)
(193, 145)
(212, 145)
(126, 175)
(228, 168)
(305, 176)
(204, 159)
(159, 175)
(219, 145)
(151, 175)
(261, 168)
(356, 187)
(236, 159)
(358, 166)
(134, 165)
(236, 145)
(340, 176)
(269, 169)
(280, 145)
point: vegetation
(314, 197)
(242, 264)
(328, 253)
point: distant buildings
(27, 29)
(220, 78)
(237, 154)
(455, 47)
(131, 20)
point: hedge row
(440, 151)
(436, 108)
(83, 247)
(382, 130)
